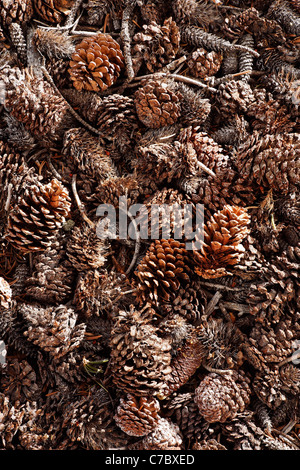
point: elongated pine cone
(137, 416)
(162, 270)
(140, 359)
(96, 63)
(222, 247)
(156, 104)
(220, 398)
(39, 213)
(156, 45)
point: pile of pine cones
(144, 344)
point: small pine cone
(243, 432)
(137, 416)
(52, 11)
(88, 154)
(204, 63)
(156, 104)
(32, 101)
(156, 46)
(234, 97)
(19, 381)
(221, 398)
(53, 329)
(269, 162)
(162, 270)
(5, 293)
(39, 213)
(85, 250)
(222, 247)
(187, 360)
(20, 11)
(221, 344)
(160, 160)
(165, 436)
(52, 275)
(96, 63)
(140, 359)
(190, 302)
(269, 388)
(290, 378)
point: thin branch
(126, 40)
(80, 205)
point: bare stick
(126, 40)
(80, 206)
(223, 372)
(73, 13)
(8, 199)
(212, 303)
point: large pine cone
(140, 359)
(221, 398)
(137, 416)
(162, 270)
(156, 45)
(39, 213)
(222, 247)
(96, 63)
(156, 104)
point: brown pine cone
(204, 63)
(96, 63)
(220, 398)
(290, 378)
(85, 250)
(32, 101)
(53, 329)
(5, 293)
(52, 275)
(165, 436)
(160, 160)
(221, 344)
(162, 270)
(52, 11)
(19, 381)
(156, 104)
(20, 11)
(208, 444)
(222, 247)
(269, 388)
(137, 416)
(140, 359)
(269, 162)
(190, 302)
(233, 97)
(156, 46)
(39, 213)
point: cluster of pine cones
(144, 344)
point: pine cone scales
(96, 63)
(137, 416)
(221, 398)
(19, 11)
(156, 104)
(162, 270)
(223, 236)
(37, 216)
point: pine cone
(269, 388)
(96, 63)
(162, 270)
(52, 11)
(166, 436)
(52, 275)
(85, 250)
(204, 63)
(221, 344)
(156, 104)
(53, 329)
(234, 97)
(290, 378)
(5, 293)
(140, 359)
(269, 162)
(221, 398)
(210, 444)
(137, 416)
(160, 160)
(20, 11)
(33, 101)
(222, 248)
(156, 46)
(19, 381)
(54, 44)
(39, 213)
(190, 302)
